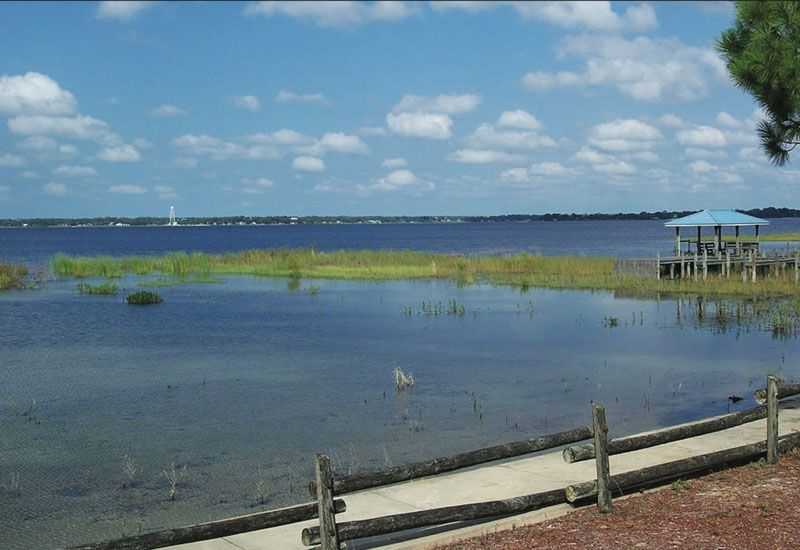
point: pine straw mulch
(756, 506)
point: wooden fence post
(601, 458)
(772, 420)
(327, 519)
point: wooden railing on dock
(440, 465)
(214, 529)
(606, 485)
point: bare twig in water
(262, 487)
(130, 469)
(174, 476)
(403, 380)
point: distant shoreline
(216, 221)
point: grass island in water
(521, 270)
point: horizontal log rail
(652, 475)
(577, 453)
(416, 470)
(438, 516)
(784, 390)
(213, 529)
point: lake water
(240, 383)
(627, 239)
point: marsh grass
(522, 270)
(165, 282)
(143, 298)
(103, 289)
(12, 276)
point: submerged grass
(104, 289)
(521, 270)
(143, 298)
(12, 276)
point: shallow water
(245, 380)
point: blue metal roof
(716, 217)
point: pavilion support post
(705, 264)
(727, 264)
(694, 267)
(677, 241)
(672, 271)
(697, 247)
(738, 246)
(758, 245)
(796, 270)
(683, 265)
(658, 266)
(753, 261)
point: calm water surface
(587, 238)
(241, 382)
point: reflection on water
(239, 384)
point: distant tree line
(770, 212)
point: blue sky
(126, 108)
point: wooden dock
(748, 266)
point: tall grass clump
(143, 298)
(12, 276)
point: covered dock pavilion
(721, 255)
(717, 219)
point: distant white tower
(172, 221)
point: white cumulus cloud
(702, 136)
(422, 125)
(447, 104)
(286, 96)
(343, 143)
(9, 160)
(121, 153)
(121, 10)
(308, 164)
(487, 136)
(646, 69)
(519, 119)
(127, 189)
(34, 93)
(167, 110)
(624, 135)
(483, 156)
(202, 145)
(247, 102)
(74, 171)
(394, 163)
(333, 14)
(55, 189)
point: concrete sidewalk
(497, 480)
